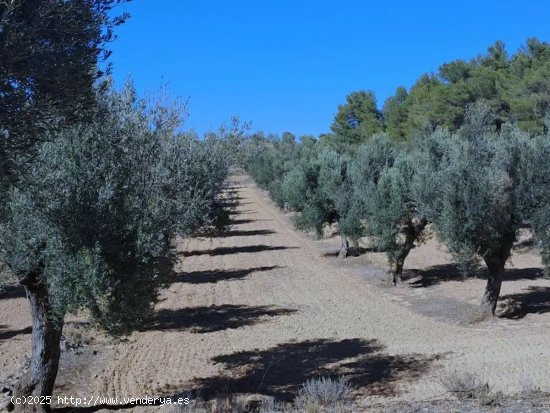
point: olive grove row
(95, 183)
(477, 187)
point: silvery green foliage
(295, 188)
(394, 220)
(364, 171)
(303, 192)
(369, 160)
(320, 190)
(431, 153)
(104, 203)
(50, 53)
(234, 141)
(534, 188)
(270, 159)
(478, 186)
(333, 187)
(335, 182)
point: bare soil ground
(262, 308)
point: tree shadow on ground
(535, 300)
(215, 276)
(240, 221)
(352, 252)
(223, 231)
(233, 203)
(241, 212)
(452, 272)
(235, 250)
(526, 243)
(245, 233)
(230, 204)
(7, 334)
(214, 318)
(280, 370)
(12, 291)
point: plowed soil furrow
(259, 309)
(263, 291)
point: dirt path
(260, 310)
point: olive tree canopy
(94, 226)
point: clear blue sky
(286, 65)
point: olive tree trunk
(495, 266)
(397, 271)
(412, 232)
(39, 380)
(344, 247)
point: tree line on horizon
(515, 87)
(466, 150)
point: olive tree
(382, 176)
(395, 222)
(301, 190)
(93, 228)
(386, 177)
(368, 162)
(268, 160)
(365, 169)
(475, 193)
(534, 188)
(49, 55)
(233, 137)
(320, 190)
(335, 183)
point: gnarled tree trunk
(39, 380)
(495, 265)
(412, 232)
(397, 270)
(344, 247)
